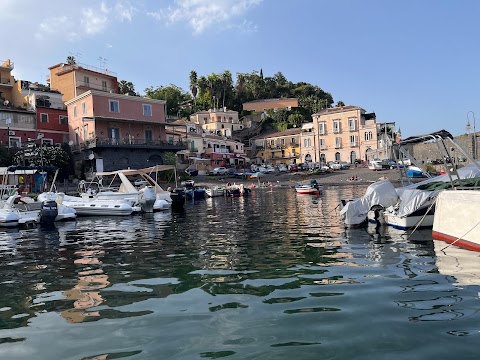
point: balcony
(130, 143)
(353, 144)
(91, 85)
(5, 83)
(6, 64)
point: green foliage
(169, 158)
(45, 155)
(126, 87)
(177, 99)
(5, 157)
(71, 60)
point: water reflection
(274, 275)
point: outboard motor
(147, 198)
(48, 212)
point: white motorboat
(151, 197)
(215, 191)
(64, 212)
(457, 218)
(89, 204)
(27, 212)
(308, 189)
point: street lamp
(8, 122)
(468, 128)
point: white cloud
(203, 14)
(94, 21)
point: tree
(45, 155)
(175, 97)
(5, 156)
(193, 85)
(340, 103)
(126, 87)
(71, 60)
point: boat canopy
(444, 134)
(128, 172)
(20, 169)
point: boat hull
(404, 223)
(457, 218)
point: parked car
(344, 165)
(231, 171)
(282, 168)
(140, 182)
(292, 167)
(334, 165)
(191, 172)
(219, 171)
(244, 173)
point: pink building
(115, 131)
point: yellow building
(345, 133)
(221, 122)
(277, 148)
(6, 83)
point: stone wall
(430, 151)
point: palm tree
(71, 60)
(194, 85)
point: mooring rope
(461, 237)
(423, 218)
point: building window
(148, 136)
(63, 120)
(293, 140)
(283, 142)
(84, 108)
(85, 132)
(114, 106)
(104, 85)
(147, 110)
(322, 144)
(86, 80)
(337, 156)
(15, 142)
(353, 140)
(352, 124)
(44, 118)
(338, 142)
(322, 129)
(75, 111)
(336, 126)
(368, 135)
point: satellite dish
(70, 142)
(91, 157)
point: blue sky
(412, 62)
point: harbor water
(271, 276)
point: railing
(88, 67)
(3, 63)
(5, 82)
(95, 86)
(353, 144)
(127, 142)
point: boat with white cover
(412, 205)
